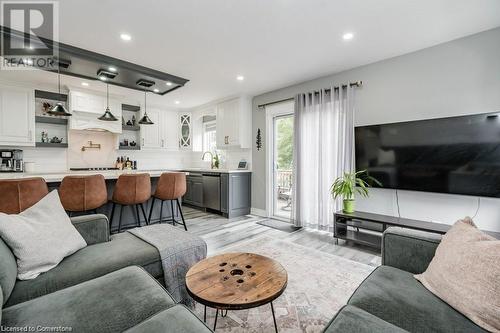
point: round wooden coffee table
(236, 281)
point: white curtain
(323, 150)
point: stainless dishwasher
(211, 190)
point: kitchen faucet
(211, 158)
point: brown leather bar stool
(83, 193)
(131, 190)
(171, 186)
(20, 194)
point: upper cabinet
(17, 116)
(185, 130)
(163, 134)
(234, 123)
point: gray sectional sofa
(392, 300)
(112, 285)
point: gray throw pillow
(40, 237)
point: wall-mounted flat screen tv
(458, 155)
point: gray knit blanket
(179, 250)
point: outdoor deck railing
(284, 179)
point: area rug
(319, 284)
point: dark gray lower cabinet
(234, 192)
(194, 190)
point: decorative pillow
(465, 273)
(40, 237)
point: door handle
(143, 142)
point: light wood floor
(221, 233)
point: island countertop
(53, 177)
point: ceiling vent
(145, 83)
(106, 74)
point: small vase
(348, 206)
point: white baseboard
(258, 212)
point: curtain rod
(351, 84)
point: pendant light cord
(145, 109)
(107, 95)
(58, 77)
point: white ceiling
(273, 43)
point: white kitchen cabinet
(163, 134)
(17, 116)
(234, 123)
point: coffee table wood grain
(236, 281)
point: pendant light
(145, 119)
(107, 116)
(59, 109)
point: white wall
(455, 78)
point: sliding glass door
(283, 166)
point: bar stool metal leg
(120, 221)
(182, 215)
(172, 211)
(137, 214)
(144, 214)
(161, 211)
(112, 215)
(151, 210)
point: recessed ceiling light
(126, 37)
(102, 78)
(240, 78)
(156, 90)
(177, 102)
(85, 84)
(169, 83)
(112, 69)
(348, 36)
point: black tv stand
(367, 228)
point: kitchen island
(219, 190)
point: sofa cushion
(177, 319)
(91, 262)
(40, 237)
(352, 319)
(465, 273)
(111, 303)
(396, 297)
(8, 271)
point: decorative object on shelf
(259, 140)
(46, 106)
(133, 120)
(349, 184)
(129, 123)
(59, 110)
(107, 116)
(55, 139)
(91, 146)
(133, 143)
(145, 119)
(123, 121)
(45, 137)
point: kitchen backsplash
(54, 159)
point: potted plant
(349, 184)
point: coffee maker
(11, 160)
